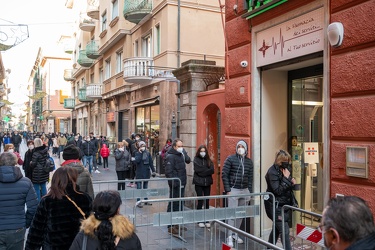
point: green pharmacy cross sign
(6, 119)
(257, 7)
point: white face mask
(143, 148)
(180, 149)
(11, 150)
(203, 154)
(31, 147)
(241, 151)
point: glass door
(306, 133)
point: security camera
(244, 64)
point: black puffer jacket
(176, 166)
(56, 222)
(88, 148)
(26, 164)
(237, 173)
(203, 171)
(38, 161)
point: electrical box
(357, 161)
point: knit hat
(71, 152)
(141, 143)
(242, 143)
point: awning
(145, 102)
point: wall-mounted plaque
(357, 161)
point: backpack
(50, 165)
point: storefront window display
(147, 124)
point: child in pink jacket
(104, 152)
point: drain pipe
(178, 107)
(178, 33)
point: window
(114, 9)
(83, 82)
(118, 62)
(92, 78)
(104, 21)
(158, 39)
(107, 68)
(101, 75)
(136, 48)
(146, 46)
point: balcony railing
(92, 49)
(86, 23)
(93, 9)
(94, 91)
(82, 96)
(68, 75)
(69, 103)
(135, 10)
(142, 70)
(69, 47)
(83, 60)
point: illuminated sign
(257, 7)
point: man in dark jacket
(175, 167)
(38, 161)
(88, 150)
(15, 192)
(237, 179)
(348, 224)
(16, 140)
(95, 142)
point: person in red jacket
(104, 152)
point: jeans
(139, 186)
(105, 162)
(278, 231)
(89, 159)
(40, 189)
(12, 239)
(121, 177)
(61, 149)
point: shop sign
(297, 37)
(257, 7)
(111, 117)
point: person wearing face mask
(89, 151)
(348, 224)
(175, 167)
(144, 167)
(237, 177)
(202, 178)
(122, 157)
(10, 148)
(27, 159)
(281, 184)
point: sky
(47, 20)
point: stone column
(195, 76)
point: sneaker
(148, 203)
(238, 239)
(230, 241)
(133, 185)
(140, 205)
(182, 228)
(208, 225)
(129, 185)
(201, 224)
(97, 172)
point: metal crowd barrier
(188, 218)
(306, 230)
(252, 237)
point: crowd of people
(69, 216)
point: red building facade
(296, 89)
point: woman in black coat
(27, 159)
(106, 228)
(281, 184)
(59, 213)
(203, 171)
(38, 160)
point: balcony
(69, 103)
(68, 75)
(142, 70)
(83, 60)
(69, 46)
(94, 91)
(86, 23)
(92, 49)
(82, 97)
(135, 10)
(93, 9)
